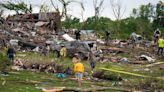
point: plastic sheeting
(150, 59)
(14, 42)
(40, 23)
(68, 38)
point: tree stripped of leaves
(18, 7)
(98, 7)
(44, 8)
(65, 4)
(117, 9)
(64, 9)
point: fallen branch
(154, 64)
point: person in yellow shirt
(160, 46)
(75, 59)
(79, 69)
(63, 51)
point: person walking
(160, 46)
(11, 54)
(77, 34)
(92, 61)
(45, 51)
(63, 53)
(78, 70)
(107, 34)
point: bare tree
(118, 12)
(117, 9)
(98, 7)
(82, 11)
(64, 11)
(44, 8)
(65, 4)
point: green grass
(28, 81)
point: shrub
(4, 62)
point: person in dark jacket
(107, 34)
(77, 34)
(11, 53)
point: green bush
(4, 62)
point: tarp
(16, 29)
(14, 42)
(150, 59)
(40, 23)
(33, 33)
(68, 38)
(100, 41)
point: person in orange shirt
(79, 69)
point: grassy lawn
(33, 81)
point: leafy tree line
(143, 20)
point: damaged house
(31, 28)
(41, 23)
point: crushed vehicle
(83, 48)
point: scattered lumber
(161, 67)
(75, 89)
(154, 64)
(140, 62)
(114, 50)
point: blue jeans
(93, 64)
(160, 50)
(11, 57)
(79, 75)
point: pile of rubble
(29, 28)
(48, 67)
